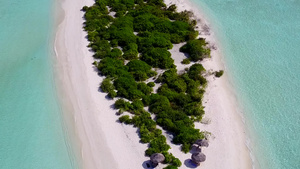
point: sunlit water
(32, 134)
(261, 45)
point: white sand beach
(104, 143)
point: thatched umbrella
(156, 158)
(198, 158)
(202, 143)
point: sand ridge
(105, 143)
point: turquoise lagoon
(261, 44)
(32, 134)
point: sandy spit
(103, 142)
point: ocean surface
(260, 40)
(32, 134)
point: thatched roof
(198, 157)
(202, 143)
(157, 158)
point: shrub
(158, 57)
(137, 105)
(171, 167)
(144, 119)
(122, 104)
(158, 103)
(114, 43)
(186, 61)
(112, 94)
(115, 53)
(146, 135)
(106, 85)
(219, 73)
(130, 51)
(143, 87)
(124, 35)
(151, 84)
(130, 54)
(127, 87)
(186, 147)
(195, 72)
(168, 157)
(156, 40)
(112, 67)
(140, 69)
(157, 145)
(125, 119)
(176, 162)
(85, 8)
(172, 8)
(196, 49)
(101, 48)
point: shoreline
(88, 109)
(221, 106)
(70, 95)
(90, 112)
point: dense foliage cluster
(196, 49)
(219, 73)
(133, 42)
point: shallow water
(32, 134)
(260, 41)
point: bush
(195, 72)
(130, 54)
(151, 84)
(145, 134)
(112, 67)
(101, 48)
(130, 51)
(186, 61)
(127, 87)
(122, 104)
(158, 103)
(171, 167)
(143, 87)
(186, 147)
(158, 57)
(157, 145)
(125, 119)
(156, 40)
(137, 105)
(107, 86)
(196, 49)
(140, 70)
(219, 73)
(85, 8)
(176, 162)
(124, 35)
(115, 53)
(168, 157)
(112, 94)
(114, 43)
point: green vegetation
(186, 61)
(108, 87)
(196, 49)
(219, 73)
(140, 70)
(158, 57)
(140, 34)
(171, 167)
